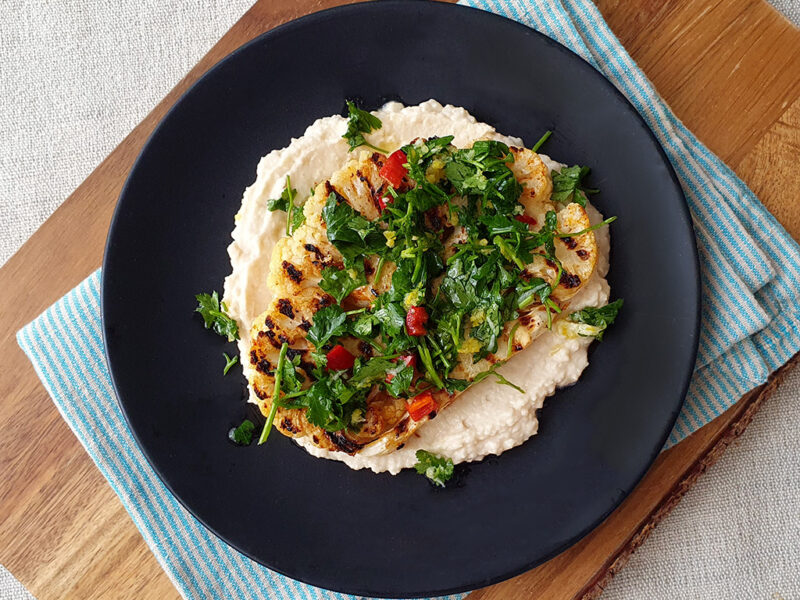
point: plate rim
(683, 209)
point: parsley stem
(500, 379)
(379, 269)
(541, 141)
(441, 355)
(511, 335)
(275, 394)
(381, 150)
(506, 251)
(588, 229)
(417, 267)
(425, 357)
(229, 362)
(290, 208)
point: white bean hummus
(488, 418)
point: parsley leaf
(329, 322)
(352, 234)
(333, 405)
(243, 434)
(291, 380)
(372, 371)
(401, 380)
(437, 469)
(281, 203)
(229, 362)
(215, 316)
(456, 385)
(567, 185)
(392, 318)
(362, 326)
(360, 122)
(340, 283)
(601, 317)
(295, 220)
(294, 214)
(482, 171)
(285, 200)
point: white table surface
(77, 76)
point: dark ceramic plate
(317, 520)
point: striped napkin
(750, 324)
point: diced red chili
(393, 170)
(383, 201)
(389, 377)
(421, 405)
(416, 318)
(410, 360)
(339, 358)
(529, 221)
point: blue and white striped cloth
(751, 293)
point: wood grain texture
(731, 71)
(780, 145)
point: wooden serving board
(729, 68)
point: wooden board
(731, 71)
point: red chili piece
(529, 221)
(410, 360)
(339, 358)
(421, 405)
(383, 202)
(416, 318)
(393, 170)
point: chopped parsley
(600, 317)
(229, 362)
(243, 434)
(567, 185)
(360, 122)
(352, 234)
(340, 283)
(449, 304)
(437, 469)
(215, 316)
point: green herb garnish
(567, 185)
(294, 214)
(215, 316)
(608, 221)
(276, 391)
(541, 141)
(601, 317)
(329, 322)
(360, 122)
(437, 469)
(229, 362)
(243, 434)
(340, 283)
(352, 234)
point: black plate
(316, 520)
